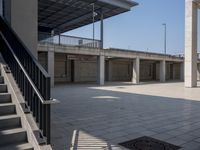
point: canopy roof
(66, 15)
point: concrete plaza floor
(91, 117)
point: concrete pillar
(109, 70)
(23, 18)
(191, 43)
(101, 69)
(136, 71)
(182, 71)
(162, 71)
(51, 61)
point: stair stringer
(27, 120)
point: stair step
(7, 109)
(3, 88)
(1, 79)
(12, 136)
(5, 98)
(24, 146)
(9, 122)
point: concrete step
(7, 109)
(9, 122)
(3, 88)
(12, 136)
(1, 80)
(23, 146)
(5, 98)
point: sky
(141, 29)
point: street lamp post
(165, 38)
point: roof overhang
(66, 15)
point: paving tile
(158, 112)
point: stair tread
(4, 93)
(18, 147)
(6, 104)
(12, 131)
(9, 116)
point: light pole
(94, 14)
(165, 38)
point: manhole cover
(148, 143)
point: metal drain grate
(148, 143)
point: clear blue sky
(141, 28)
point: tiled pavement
(98, 118)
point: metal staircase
(32, 83)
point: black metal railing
(68, 40)
(32, 79)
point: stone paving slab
(108, 115)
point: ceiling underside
(66, 15)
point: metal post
(52, 37)
(59, 38)
(102, 29)
(165, 38)
(93, 17)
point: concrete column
(101, 69)
(136, 71)
(162, 71)
(191, 43)
(51, 61)
(23, 18)
(109, 70)
(182, 71)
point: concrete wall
(169, 71)
(1, 7)
(173, 71)
(147, 71)
(119, 70)
(23, 17)
(42, 58)
(85, 71)
(62, 71)
(177, 71)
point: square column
(162, 71)
(51, 59)
(182, 71)
(136, 71)
(191, 43)
(101, 69)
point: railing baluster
(31, 78)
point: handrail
(46, 102)
(32, 79)
(24, 46)
(68, 40)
